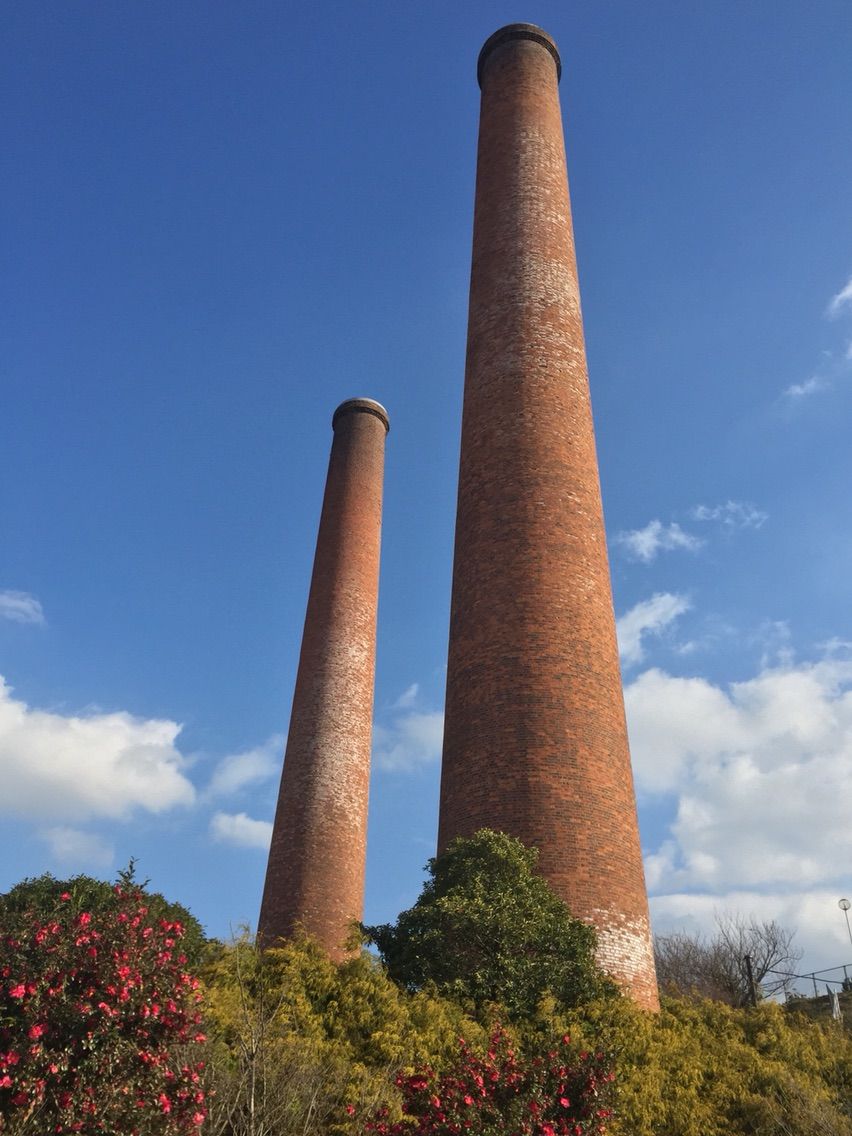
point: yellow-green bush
(294, 1038)
(706, 1069)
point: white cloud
(645, 544)
(650, 617)
(410, 741)
(841, 300)
(21, 607)
(732, 515)
(813, 385)
(75, 849)
(410, 738)
(241, 830)
(408, 697)
(70, 767)
(238, 770)
(761, 772)
(811, 913)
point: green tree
(487, 929)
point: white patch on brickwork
(341, 744)
(624, 947)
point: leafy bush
(707, 1069)
(294, 1038)
(488, 930)
(98, 1017)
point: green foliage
(294, 1039)
(41, 894)
(706, 1069)
(299, 1046)
(488, 930)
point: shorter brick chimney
(315, 874)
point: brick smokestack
(315, 874)
(535, 741)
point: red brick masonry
(315, 875)
(535, 740)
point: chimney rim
(361, 406)
(518, 31)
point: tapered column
(315, 875)
(535, 741)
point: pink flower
(84, 919)
(5, 1082)
(164, 1102)
(37, 1030)
(65, 895)
(199, 1118)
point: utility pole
(752, 986)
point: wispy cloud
(732, 515)
(237, 771)
(410, 737)
(74, 849)
(74, 766)
(650, 617)
(645, 544)
(833, 366)
(240, 829)
(410, 741)
(813, 385)
(21, 607)
(841, 300)
(408, 697)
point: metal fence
(808, 985)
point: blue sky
(224, 220)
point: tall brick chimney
(535, 741)
(315, 874)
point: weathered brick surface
(315, 874)
(535, 740)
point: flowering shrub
(97, 1021)
(558, 1094)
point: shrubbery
(488, 931)
(98, 1016)
(295, 1040)
(503, 1091)
(99, 1031)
